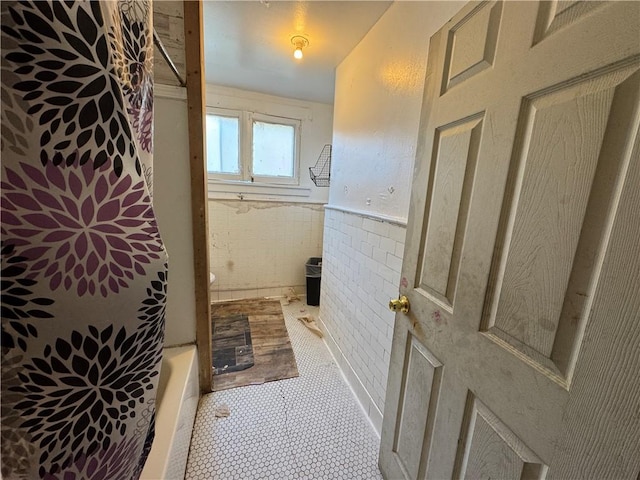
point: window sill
(238, 190)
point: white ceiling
(248, 43)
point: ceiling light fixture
(299, 42)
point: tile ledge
(401, 222)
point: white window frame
(225, 112)
(245, 149)
(275, 120)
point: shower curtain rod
(165, 54)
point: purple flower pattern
(117, 461)
(143, 125)
(80, 227)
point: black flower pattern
(137, 10)
(152, 313)
(68, 80)
(71, 392)
(18, 302)
(133, 62)
(154, 306)
(134, 66)
(148, 443)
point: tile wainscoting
(259, 249)
(362, 260)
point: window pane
(222, 144)
(273, 149)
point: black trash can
(313, 271)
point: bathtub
(177, 401)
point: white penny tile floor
(309, 427)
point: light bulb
(299, 42)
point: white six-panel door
(520, 356)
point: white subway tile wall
(260, 248)
(361, 267)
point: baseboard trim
(357, 387)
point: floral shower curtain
(83, 266)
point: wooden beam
(194, 60)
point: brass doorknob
(399, 304)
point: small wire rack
(321, 171)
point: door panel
(557, 14)
(551, 232)
(418, 403)
(488, 449)
(450, 184)
(471, 44)
(523, 218)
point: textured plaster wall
(378, 98)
